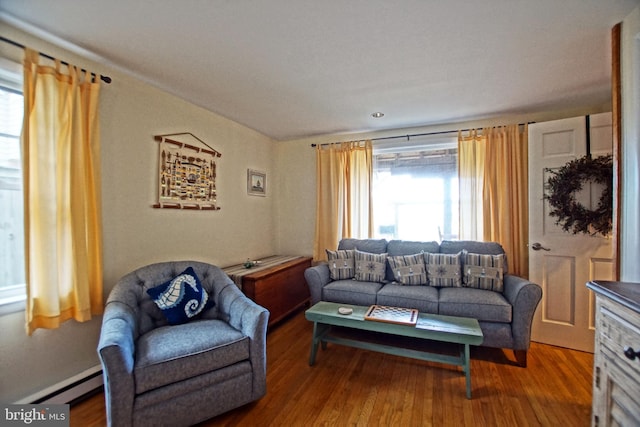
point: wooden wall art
(187, 173)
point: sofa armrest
(524, 297)
(317, 277)
(251, 319)
(117, 354)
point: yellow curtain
(471, 160)
(499, 172)
(61, 167)
(343, 199)
(506, 194)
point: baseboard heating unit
(69, 390)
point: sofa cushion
(486, 306)
(370, 267)
(351, 292)
(174, 353)
(341, 264)
(373, 246)
(181, 298)
(444, 270)
(408, 269)
(422, 298)
(488, 248)
(484, 271)
(407, 247)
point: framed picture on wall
(256, 183)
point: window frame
(12, 297)
(445, 143)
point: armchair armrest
(117, 354)
(524, 297)
(317, 277)
(251, 319)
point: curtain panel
(471, 161)
(61, 182)
(494, 182)
(344, 208)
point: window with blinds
(415, 190)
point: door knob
(630, 353)
(537, 246)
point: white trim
(85, 382)
(13, 304)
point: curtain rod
(105, 79)
(409, 136)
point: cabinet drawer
(617, 333)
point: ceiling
(296, 68)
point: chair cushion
(486, 306)
(351, 292)
(422, 298)
(181, 298)
(174, 353)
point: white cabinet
(616, 367)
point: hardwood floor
(348, 386)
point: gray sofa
(505, 317)
(161, 374)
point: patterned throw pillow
(341, 264)
(444, 270)
(182, 298)
(370, 267)
(484, 271)
(409, 269)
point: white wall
(630, 156)
(135, 234)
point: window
(12, 269)
(415, 189)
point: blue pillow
(182, 298)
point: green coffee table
(460, 330)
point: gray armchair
(157, 374)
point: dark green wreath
(569, 179)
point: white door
(563, 262)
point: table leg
(314, 344)
(467, 369)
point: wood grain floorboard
(352, 387)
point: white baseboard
(68, 390)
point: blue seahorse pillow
(182, 298)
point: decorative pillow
(341, 264)
(409, 269)
(484, 271)
(370, 267)
(444, 270)
(182, 298)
